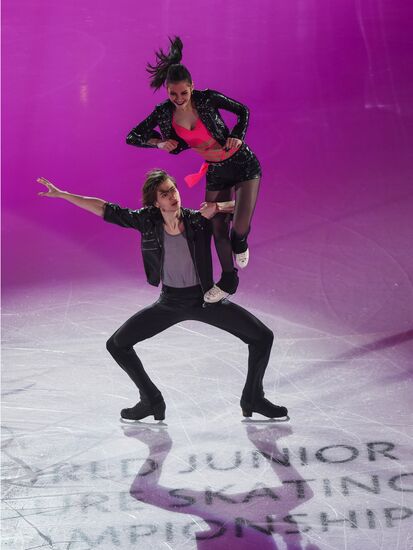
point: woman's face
(180, 93)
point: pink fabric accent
(193, 179)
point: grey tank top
(178, 268)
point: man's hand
(168, 145)
(208, 209)
(226, 207)
(52, 190)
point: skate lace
(215, 290)
(215, 293)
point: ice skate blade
(249, 420)
(212, 304)
(156, 424)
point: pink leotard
(203, 143)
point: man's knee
(263, 338)
(111, 345)
(267, 337)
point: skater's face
(180, 93)
(167, 197)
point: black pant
(183, 304)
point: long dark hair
(168, 67)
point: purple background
(329, 86)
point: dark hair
(154, 178)
(168, 66)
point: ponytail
(167, 67)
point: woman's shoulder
(204, 93)
(209, 95)
(205, 98)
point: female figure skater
(190, 119)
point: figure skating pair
(176, 241)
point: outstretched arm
(94, 205)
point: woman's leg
(246, 194)
(228, 283)
(220, 229)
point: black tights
(183, 304)
(246, 194)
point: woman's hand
(52, 190)
(168, 145)
(154, 141)
(232, 143)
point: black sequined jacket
(207, 104)
(149, 222)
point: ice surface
(75, 477)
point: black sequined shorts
(242, 166)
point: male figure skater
(176, 249)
